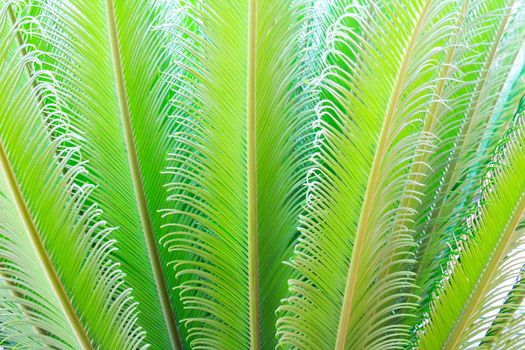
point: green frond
(502, 332)
(209, 165)
(487, 260)
(31, 313)
(354, 267)
(238, 186)
(107, 58)
(467, 130)
(247, 174)
(55, 253)
(285, 101)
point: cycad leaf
(71, 293)
(286, 66)
(242, 110)
(107, 59)
(467, 125)
(347, 290)
(210, 173)
(461, 310)
(23, 319)
(463, 77)
(502, 332)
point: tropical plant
(243, 174)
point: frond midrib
(373, 179)
(51, 274)
(138, 185)
(253, 244)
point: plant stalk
(253, 245)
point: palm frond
(487, 260)
(55, 250)
(107, 58)
(354, 266)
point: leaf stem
(138, 185)
(253, 249)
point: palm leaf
(55, 250)
(238, 186)
(107, 59)
(461, 310)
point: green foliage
(244, 174)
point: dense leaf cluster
(253, 174)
